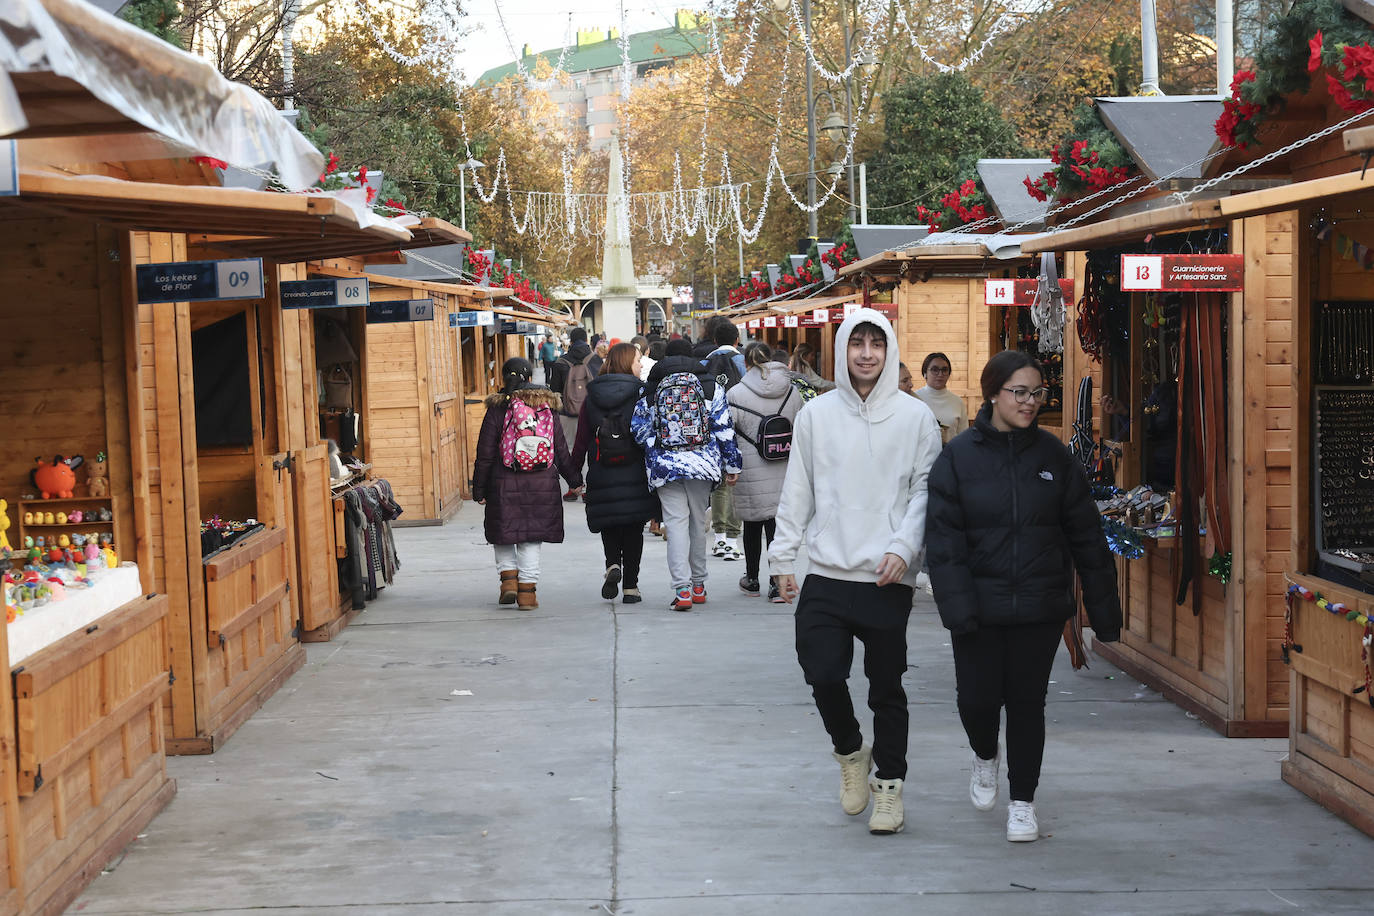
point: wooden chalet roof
(283, 227)
(1201, 214)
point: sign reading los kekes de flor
(1018, 292)
(1218, 273)
(200, 281)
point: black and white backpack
(774, 442)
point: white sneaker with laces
(720, 548)
(982, 785)
(854, 779)
(731, 551)
(1021, 824)
(888, 815)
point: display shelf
(37, 506)
(64, 500)
(81, 524)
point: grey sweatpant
(686, 507)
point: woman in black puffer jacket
(619, 500)
(1010, 519)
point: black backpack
(615, 445)
(774, 441)
(723, 368)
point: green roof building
(593, 68)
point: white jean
(521, 557)
(686, 517)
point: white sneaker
(982, 785)
(888, 815)
(1021, 823)
(731, 551)
(854, 779)
(721, 546)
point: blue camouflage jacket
(717, 457)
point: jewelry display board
(1345, 351)
(1343, 451)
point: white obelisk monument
(619, 288)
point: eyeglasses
(1026, 395)
(938, 370)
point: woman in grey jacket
(765, 390)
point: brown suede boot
(508, 586)
(526, 599)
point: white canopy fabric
(149, 82)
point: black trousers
(996, 667)
(754, 533)
(831, 614)
(624, 547)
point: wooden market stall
(938, 292)
(1203, 614)
(234, 618)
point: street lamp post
(463, 190)
(812, 221)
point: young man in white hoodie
(855, 495)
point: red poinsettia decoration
(1354, 90)
(839, 256)
(965, 205)
(749, 290)
(210, 162)
(1236, 126)
(478, 264)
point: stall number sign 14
(200, 281)
(1182, 272)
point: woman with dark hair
(766, 390)
(520, 454)
(803, 364)
(1010, 519)
(619, 500)
(947, 406)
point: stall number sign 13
(1182, 272)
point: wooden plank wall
(398, 420)
(945, 314)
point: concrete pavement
(447, 755)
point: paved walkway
(446, 755)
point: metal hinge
(38, 778)
(285, 463)
(171, 676)
(296, 632)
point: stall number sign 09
(200, 281)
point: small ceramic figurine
(111, 560)
(78, 540)
(106, 539)
(28, 518)
(61, 518)
(63, 541)
(97, 484)
(28, 541)
(75, 516)
(104, 515)
(92, 553)
(40, 542)
(57, 478)
(49, 518)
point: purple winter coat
(521, 505)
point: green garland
(1281, 65)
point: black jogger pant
(624, 546)
(1007, 666)
(831, 614)
(754, 534)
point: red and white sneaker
(698, 594)
(682, 601)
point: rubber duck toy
(111, 559)
(61, 518)
(49, 518)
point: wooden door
(319, 574)
(445, 386)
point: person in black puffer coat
(1010, 518)
(619, 500)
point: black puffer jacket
(618, 495)
(1009, 519)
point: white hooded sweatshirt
(856, 480)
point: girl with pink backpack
(520, 454)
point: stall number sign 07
(199, 281)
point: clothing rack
(364, 544)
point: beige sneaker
(854, 779)
(888, 815)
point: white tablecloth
(43, 626)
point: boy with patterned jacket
(682, 422)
